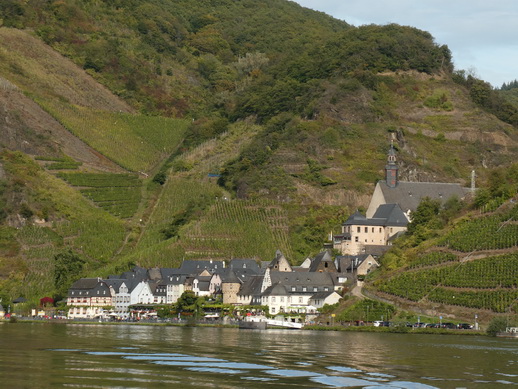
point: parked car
(464, 326)
(448, 325)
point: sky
(481, 34)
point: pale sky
(481, 34)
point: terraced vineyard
(136, 142)
(119, 194)
(493, 232)
(461, 283)
(90, 232)
(239, 228)
(226, 229)
(480, 279)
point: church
(409, 194)
(389, 211)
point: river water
(129, 356)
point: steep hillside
(221, 129)
(454, 265)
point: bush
(497, 324)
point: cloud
(480, 34)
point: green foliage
(478, 277)
(136, 142)
(367, 310)
(499, 324)
(119, 194)
(491, 100)
(439, 100)
(488, 232)
(433, 258)
(67, 268)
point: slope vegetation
(471, 268)
(245, 127)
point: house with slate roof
(121, 296)
(250, 291)
(408, 195)
(291, 291)
(323, 262)
(87, 298)
(319, 299)
(280, 263)
(360, 232)
(175, 286)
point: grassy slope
(347, 136)
(88, 231)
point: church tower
(391, 168)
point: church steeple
(391, 168)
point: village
(299, 291)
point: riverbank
(341, 328)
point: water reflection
(145, 357)
(342, 376)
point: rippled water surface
(124, 356)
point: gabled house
(159, 291)
(88, 297)
(280, 263)
(201, 284)
(143, 294)
(192, 267)
(360, 232)
(323, 262)
(357, 265)
(120, 297)
(250, 291)
(175, 286)
(318, 300)
(291, 292)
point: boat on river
(510, 332)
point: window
(358, 229)
(380, 229)
(273, 309)
(372, 229)
(356, 239)
(273, 299)
(282, 299)
(293, 289)
(366, 229)
(304, 289)
(326, 289)
(300, 300)
(315, 289)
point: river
(42, 355)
